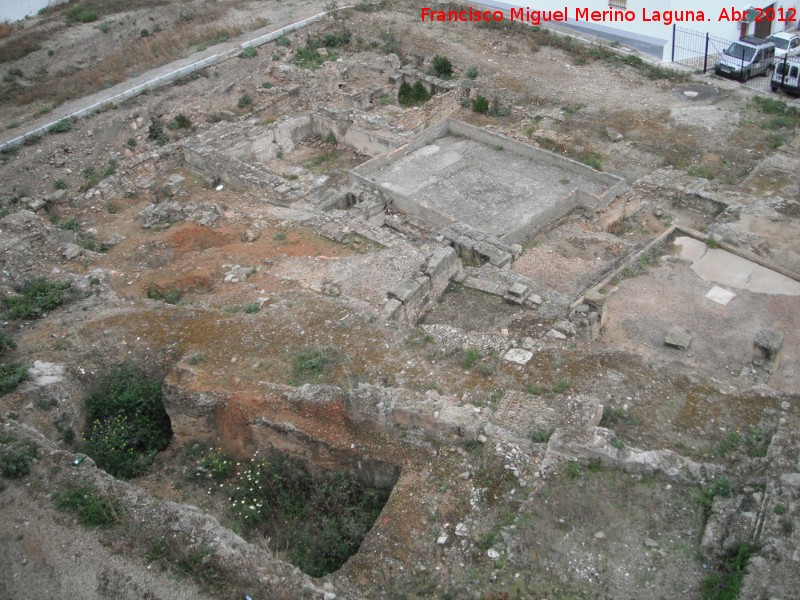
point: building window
(619, 4)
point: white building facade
(648, 25)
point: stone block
(172, 185)
(443, 260)
(594, 299)
(517, 293)
(678, 337)
(405, 290)
(769, 342)
(766, 349)
(392, 309)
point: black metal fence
(702, 51)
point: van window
(779, 69)
(759, 56)
(740, 52)
(793, 72)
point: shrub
(249, 52)
(412, 95)
(726, 583)
(574, 469)
(469, 357)
(60, 184)
(718, 486)
(593, 160)
(36, 298)
(391, 45)
(92, 509)
(244, 101)
(156, 131)
(208, 463)
(16, 458)
(69, 225)
(442, 67)
(283, 41)
(6, 342)
(561, 386)
(128, 425)
(252, 308)
(534, 389)
(81, 13)
(11, 375)
(267, 85)
(169, 295)
(308, 57)
(181, 121)
(480, 105)
(542, 435)
(91, 177)
(62, 126)
(313, 366)
(472, 73)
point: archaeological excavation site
(301, 301)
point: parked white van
(787, 76)
(748, 57)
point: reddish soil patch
(194, 238)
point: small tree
(419, 95)
(480, 105)
(442, 66)
(404, 94)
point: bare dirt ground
(583, 473)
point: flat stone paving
(719, 266)
(490, 188)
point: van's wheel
(745, 75)
(774, 88)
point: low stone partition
(408, 301)
(476, 247)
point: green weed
(313, 366)
(92, 509)
(37, 298)
(16, 458)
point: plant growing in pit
(128, 425)
(320, 522)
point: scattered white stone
(441, 540)
(518, 356)
(600, 535)
(556, 335)
(493, 554)
(462, 530)
(45, 373)
(720, 295)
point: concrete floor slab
(766, 281)
(719, 266)
(691, 249)
(485, 186)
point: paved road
(164, 74)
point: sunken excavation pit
(403, 352)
